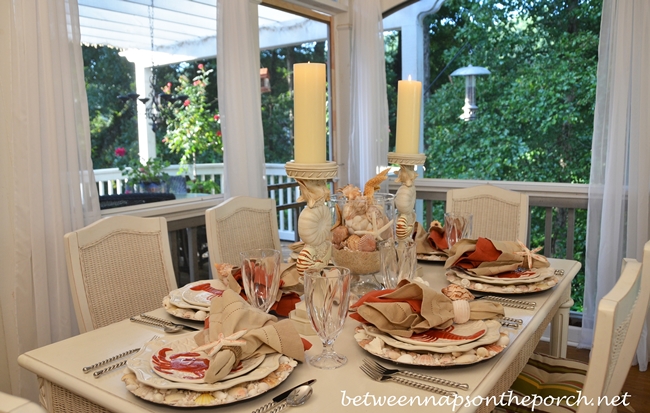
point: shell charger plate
(141, 380)
(386, 347)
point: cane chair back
(118, 267)
(498, 213)
(238, 224)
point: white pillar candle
(409, 98)
(309, 113)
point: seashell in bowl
(353, 242)
(339, 234)
(367, 243)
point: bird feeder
(470, 72)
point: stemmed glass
(260, 269)
(327, 296)
(457, 227)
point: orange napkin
(487, 257)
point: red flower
(186, 103)
(219, 133)
(200, 66)
(120, 151)
(216, 117)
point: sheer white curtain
(45, 144)
(619, 190)
(238, 78)
(368, 152)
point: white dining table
(59, 366)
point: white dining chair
(499, 214)
(238, 224)
(14, 404)
(118, 267)
(619, 323)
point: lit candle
(409, 98)
(309, 113)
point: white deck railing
(111, 182)
(551, 196)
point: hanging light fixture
(155, 110)
(470, 72)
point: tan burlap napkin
(487, 257)
(415, 308)
(263, 334)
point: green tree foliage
(112, 122)
(536, 108)
(193, 128)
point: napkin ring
(461, 311)
(236, 351)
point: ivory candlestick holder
(315, 221)
(405, 196)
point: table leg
(560, 330)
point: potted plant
(147, 177)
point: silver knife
(280, 397)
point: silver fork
(98, 373)
(384, 371)
(379, 377)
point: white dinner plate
(380, 346)
(453, 335)
(202, 293)
(177, 362)
(140, 365)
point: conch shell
(402, 227)
(350, 191)
(305, 259)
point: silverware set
(509, 302)
(511, 322)
(166, 325)
(99, 373)
(381, 373)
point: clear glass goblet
(327, 296)
(457, 226)
(260, 270)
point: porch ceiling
(180, 27)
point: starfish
(221, 341)
(375, 232)
(530, 255)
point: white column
(340, 111)
(146, 137)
